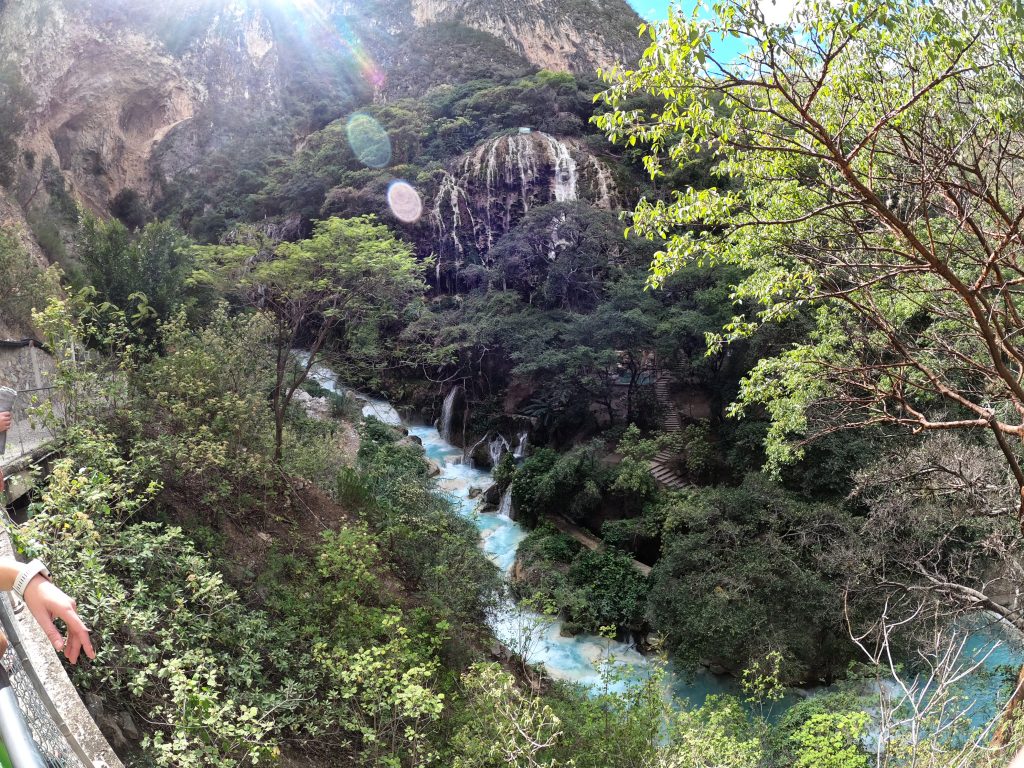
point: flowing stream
(539, 638)
(580, 658)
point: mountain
(130, 96)
(566, 35)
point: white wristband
(30, 571)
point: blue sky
(654, 10)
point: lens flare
(405, 201)
(369, 141)
(321, 28)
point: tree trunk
(278, 430)
(1004, 733)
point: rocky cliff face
(563, 35)
(110, 83)
(129, 94)
(494, 185)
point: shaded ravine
(579, 658)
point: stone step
(674, 482)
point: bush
(202, 414)
(406, 510)
(592, 590)
(548, 483)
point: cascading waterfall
(447, 414)
(497, 448)
(565, 184)
(520, 451)
(499, 181)
(505, 508)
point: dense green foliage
(23, 283)
(260, 589)
(226, 686)
(747, 570)
(591, 589)
(146, 272)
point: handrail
(14, 731)
(21, 343)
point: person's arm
(47, 602)
(5, 421)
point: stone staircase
(661, 465)
(664, 474)
(673, 421)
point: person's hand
(5, 421)
(47, 602)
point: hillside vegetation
(779, 418)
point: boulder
(474, 492)
(315, 407)
(94, 704)
(128, 727)
(109, 727)
(492, 495)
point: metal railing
(28, 431)
(19, 748)
(30, 735)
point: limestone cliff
(494, 185)
(110, 82)
(563, 35)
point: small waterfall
(444, 426)
(565, 185)
(470, 452)
(604, 183)
(520, 451)
(557, 241)
(499, 445)
(505, 508)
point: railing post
(17, 739)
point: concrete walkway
(588, 540)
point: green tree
(503, 725)
(746, 571)
(339, 286)
(869, 179)
(858, 131)
(145, 272)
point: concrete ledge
(50, 682)
(19, 473)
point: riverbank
(541, 639)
